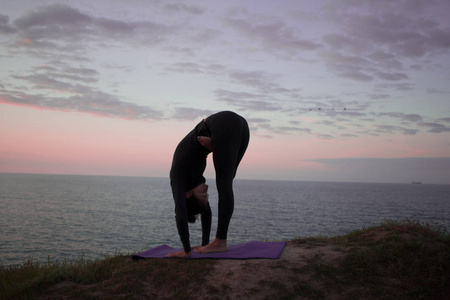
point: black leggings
(230, 136)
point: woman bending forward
(226, 134)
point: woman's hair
(194, 207)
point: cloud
(385, 60)
(352, 67)
(402, 116)
(263, 124)
(56, 14)
(388, 26)
(5, 27)
(180, 7)
(273, 35)
(378, 38)
(395, 129)
(395, 86)
(79, 97)
(258, 79)
(196, 68)
(61, 27)
(414, 121)
(54, 81)
(246, 101)
(289, 129)
(344, 113)
(258, 120)
(71, 89)
(42, 81)
(266, 126)
(411, 119)
(94, 103)
(379, 96)
(188, 113)
(325, 136)
(433, 90)
(85, 75)
(435, 127)
(330, 106)
(262, 81)
(392, 76)
(337, 41)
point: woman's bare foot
(217, 245)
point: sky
(354, 91)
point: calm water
(57, 217)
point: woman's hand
(179, 254)
(206, 142)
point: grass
(396, 259)
(111, 277)
(404, 258)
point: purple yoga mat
(248, 250)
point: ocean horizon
(53, 217)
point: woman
(226, 134)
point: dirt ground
(288, 277)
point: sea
(60, 218)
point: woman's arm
(179, 196)
(206, 225)
(206, 142)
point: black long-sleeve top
(229, 135)
(188, 165)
